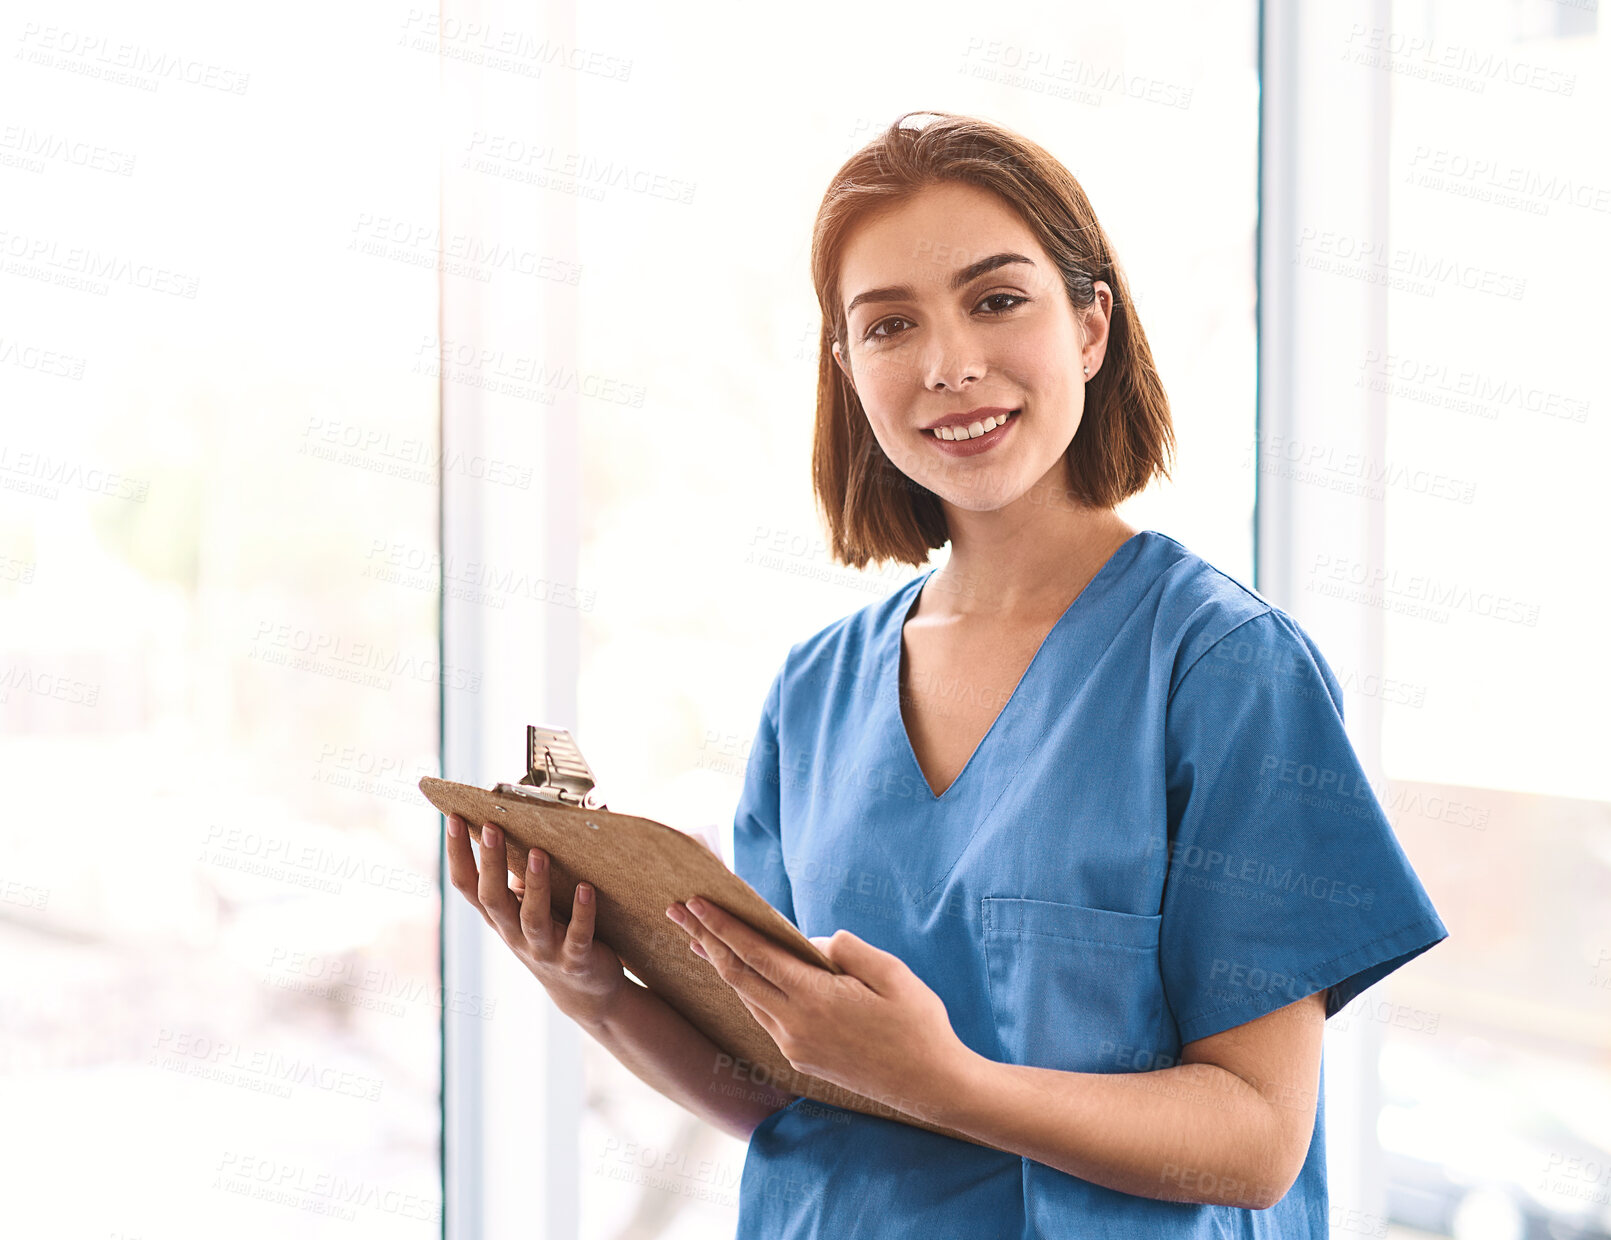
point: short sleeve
(1284, 875)
(757, 824)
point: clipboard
(638, 868)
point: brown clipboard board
(637, 868)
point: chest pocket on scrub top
(1073, 987)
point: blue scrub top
(1164, 834)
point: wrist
(601, 1017)
(956, 1087)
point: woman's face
(952, 328)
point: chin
(989, 496)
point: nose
(951, 360)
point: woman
(1077, 814)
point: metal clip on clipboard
(555, 771)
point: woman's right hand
(581, 975)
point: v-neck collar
(894, 650)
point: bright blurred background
(258, 271)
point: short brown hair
(1125, 436)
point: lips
(955, 420)
(963, 433)
(965, 445)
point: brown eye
(872, 332)
(1015, 300)
(1012, 297)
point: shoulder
(1203, 612)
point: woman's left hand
(876, 1029)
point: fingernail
(454, 825)
(531, 860)
(585, 894)
(696, 906)
(489, 836)
(674, 914)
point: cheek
(885, 385)
(883, 419)
(1042, 353)
(886, 373)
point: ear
(838, 356)
(1097, 320)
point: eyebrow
(970, 273)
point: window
(219, 670)
(1435, 226)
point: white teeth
(972, 430)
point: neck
(1023, 562)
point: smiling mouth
(975, 430)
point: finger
(763, 1018)
(878, 970)
(750, 948)
(734, 969)
(766, 1021)
(493, 889)
(461, 863)
(462, 867)
(536, 923)
(579, 933)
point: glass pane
(218, 634)
(701, 535)
(1496, 1061)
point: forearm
(1193, 1132)
(661, 1048)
